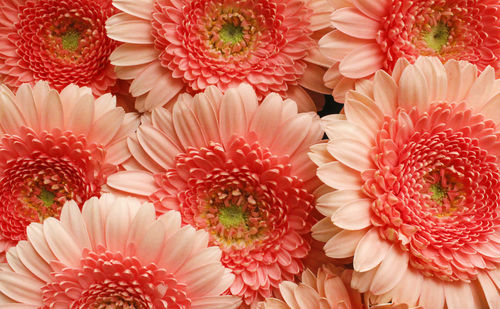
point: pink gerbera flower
(237, 170)
(53, 148)
(415, 168)
(187, 45)
(373, 34)
(60, 41)
(115, 254)
(329, 289)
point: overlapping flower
(60, 41)
(115, 254)
(55, 148)
(237, 170)
(373, 34)
(414, 165)
(175, 46)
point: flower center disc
(437, 37)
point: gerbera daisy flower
(53, 148)
(115, 254)
(371, 35)
(238, 170)
(417, 179)
(60, 41)
(171, 47)
(329, 289)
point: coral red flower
(237, 170)
(373, 34)
(53, 148)
(175, 46)
(415, 168)
(60, 41)
(115, 254)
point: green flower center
(231, 33)
(71, 40)
(437, 37)
(232, 216)
(47, 197)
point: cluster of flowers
(169, 154)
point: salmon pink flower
(238, 170)
(329, 289)
(53, 148)
(60, 41)
(115, 254)
(373, 34)
(172, 47)
(415, 168)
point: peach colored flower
(115, 254)
(61, 41)
(373, 34)
(53, 148)
(414, 165)
(171, 47)
(238, 170)
(328, 289)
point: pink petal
(339, 176)
(491, 292)
(61, 243)
(21, 288)
(72, 220)
(413, 89)
(135, 182)
(335, 128)
(207, 114)
(354, 215)
(146, 79)
(301, 99)
(409, 288)
(480, 91)
(385, 92)
(362, 62)
(158, 146)
(460, 79)
(362, 111)
(354, 23)
(390, 271)
(458, 295)
(370, 251)
(374, 9)
(312, 79)
(187, 126)
(129, 29)
(33, 262)
(343, 244)
(142, 9)
(336, 44)
(150, 246)
(165, 89)
(327, 204)
(436, 77)
(133, 54)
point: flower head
(115, 254)
(415, 168)
(237, 170)
(53, 148)
(373, 34)
(61, 42)
(328, 289)
(172, 47)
